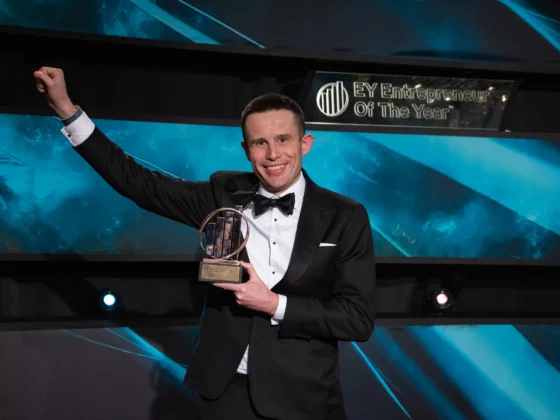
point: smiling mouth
(275, 168)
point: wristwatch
(74, 117)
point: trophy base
(220, 271)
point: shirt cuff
(280, 310)
(79, 130)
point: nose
(272, 152)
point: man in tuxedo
(268, 347)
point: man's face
(275, 149)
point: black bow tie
(285, 204)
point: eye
(283, 140)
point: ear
(306, 143)
(246, 149)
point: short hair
(270, 102)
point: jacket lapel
(240, 190)
(314, 220)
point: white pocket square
(326, 244)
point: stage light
(442, 299)
(108, 300)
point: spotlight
(442, 299)
(108, 300)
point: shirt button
(275, 220)
(273, 243)
(274, 272)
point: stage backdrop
(491, 372)
(474, 30)
(432, 197)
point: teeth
(274, 168)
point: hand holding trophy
(223, 233)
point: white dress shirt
(271, 240)
(272, 234)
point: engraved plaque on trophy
(222, 229)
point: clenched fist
(50, 81)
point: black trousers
(234, 404)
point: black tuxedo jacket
(293, 367)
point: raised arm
(184, 201)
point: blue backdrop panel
(427, 196)
(477, 30)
